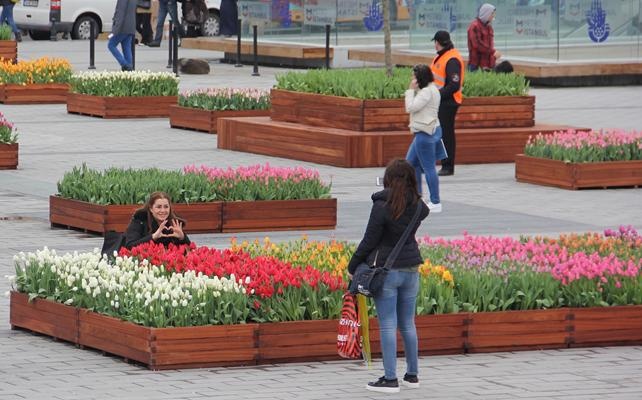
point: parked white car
(77, 15)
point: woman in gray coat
(122, 32)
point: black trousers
(144, 27)
(447, 116)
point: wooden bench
(281, 54)
(354, 149)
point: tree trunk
(387, 46)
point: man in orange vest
(448, 71)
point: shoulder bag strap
(397, 249)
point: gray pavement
(479, 199)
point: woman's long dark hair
(400, 179)
(423, 74)
(150, 203)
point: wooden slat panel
(519, 316)
(618, 312)
(282, 50)
(50, 93)
(9, 156)
(44, 316)
(510, 341)
(187, 359)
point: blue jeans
(165, 6)
(396, 307)
(125, 40)
(7, 16)
(423, 154)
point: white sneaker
(434, 208)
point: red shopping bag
(348, 336)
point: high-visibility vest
(439, 72)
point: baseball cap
(442, 37)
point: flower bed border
(212, 217)
(120, 107)
(9, 155)
(9, 50)
(36, 93)
(390, 115)
(574, 176)
(205, 120)
(195, 347)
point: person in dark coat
(392, 211)
(144, 21)
(156, 222)
(122, 33)
(229, 17)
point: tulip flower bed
(8, 47)
(131, 94)
(39, 81)
(575, 160)
(210, 199)
(8, 144)
(200, 110)
(282, 300)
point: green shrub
(5, 32)
(375, 84)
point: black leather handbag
(368, 280)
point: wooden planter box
(518, 330)
(8, 50)
(390, 115)
(9, 156)
(120, 107)
(204, 346)
(547, 172)
(169, 348)
(43, 316)
(201, 217)
(279, 215)
(205, 120)
(210, 217)
(607, 326)
(47, 93)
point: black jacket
(383, 233)
(138, 232)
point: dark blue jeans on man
(165, 6)
(125, 41)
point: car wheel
(39, 35)
(82, 28)
(211, 26)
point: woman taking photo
(392, 211)
(156, 222)
(422, 104)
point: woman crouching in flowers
(156, 222)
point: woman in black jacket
(392, 211)
(156, 221)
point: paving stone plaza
(479, 199)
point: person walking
(6, 17)
(144, 21)
(229, 18)
(422, 104)
(164, 7)
(448, 70)
(392, 211)
(122, 33)
(481, 40)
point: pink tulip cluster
(572, 139)
(502, 256)
(257, 172)
(253, 93)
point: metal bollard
(238, 44)
(92, 45)
(327, 47)
(169, 40)
(255, 72)
(134, 54)
(175, 37)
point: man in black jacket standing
(448, 71)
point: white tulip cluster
(136, 291)
(125, 83)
